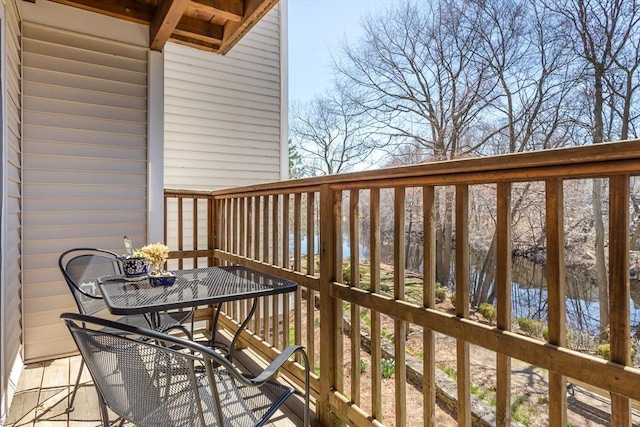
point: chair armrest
(278, 362)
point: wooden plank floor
(44, 390)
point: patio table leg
(214, 326)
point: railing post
(557, 295)
(503, 286)
(619, 289)
(212, 232)
(462, 303)
(429, 301)
(328, 305)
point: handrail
(516, 166)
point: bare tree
(330, 135)
(413, 74)
(530, 105)
(598, 31)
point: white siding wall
(223, 113)
(11, 232)
(85, 164)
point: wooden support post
(399, 326)
(212, 230)
(297, 266)
(556, 290)
(195, 230)
(462, 302)
(429, 301)
(180, 231)
(376, 350)
(328, 306)
(354, 245)
(286, 336)
(311, 263)
(250, 236)
(275, 316)
(256, 228)
(503, 287)
(619, 289)
(242, 233)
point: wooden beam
(129, 10)
(463, 349)
(194, 43)
(556, 291)
(619, 291)
(228, 10)
(503, 287)
(254, 10)
(429, 301)
(166, 19)
(330, 331)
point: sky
(316, 29)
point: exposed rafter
(214, 25)
(168, 14)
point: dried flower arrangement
(156, 255)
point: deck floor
(45, 388)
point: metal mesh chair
(153, 379)
(81, 268)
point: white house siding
(11, 233)
(223, 116)
(222, 113)
(85, 161)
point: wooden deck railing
(272, 227)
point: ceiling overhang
(212, 25)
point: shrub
(488, 311)
(388, 367)
(569, 336)
(604, 351)
(453, 299)
(441, 294)
(530, 327)
(346, 272)
(363, 366)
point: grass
(450, 372)
(365, 318)
(292, 335)
(519, 412)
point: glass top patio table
(192, 288)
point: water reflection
(529, 296)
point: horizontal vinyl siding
(222, 113)
(85, 165)
(11, 283)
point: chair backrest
(81, 268)
(154, 379)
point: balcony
(350, 307)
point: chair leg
(104, 412)
(75, 389)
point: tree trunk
(447, 236)
(601, 267)
(487, 274)
(407, 245)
